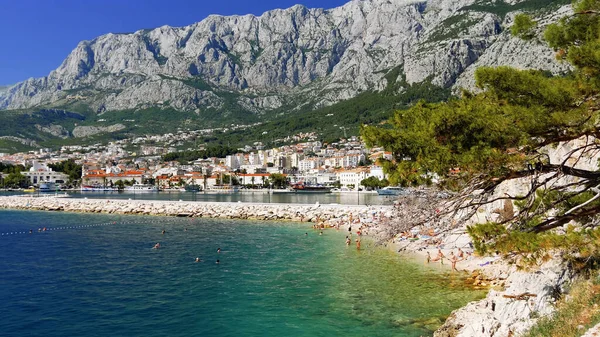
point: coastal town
(308, 168)
(344, 165)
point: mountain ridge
(227, 68)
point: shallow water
(75, 279)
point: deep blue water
(97, 275)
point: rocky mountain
(239, 66)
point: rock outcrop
(512, 310)
(86, 131)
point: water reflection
(246, 196)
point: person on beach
(440, 257)
(428, 257)
(453, 259)
(348, 241)
(460, 255)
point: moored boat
(47, 187)
(192, 188)
(96, 188)
(223, 189)
(141, 188)
(305, 188)
(390, 190)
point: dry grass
(575, 313)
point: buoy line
(60, 228)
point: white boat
(96, 188)
(223, 189)
(47, 187)
(342, 190)
(141, 188)
(390, 190)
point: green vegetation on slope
(502, 8)
(580, 310)
(69, 167)
(501, 134)
(185, 157)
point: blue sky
(37, 35)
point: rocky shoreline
(515, 299)
(228, 210)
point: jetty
(227, 210)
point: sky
(37, 35)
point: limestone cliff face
(322, 54)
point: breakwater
(229, 210)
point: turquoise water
(97, 275)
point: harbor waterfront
(252, 196)
(97, 274)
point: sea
(67, 274)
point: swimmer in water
(218, 251)
(156, 246)
(198, 259)
(164, 231)
(218, 261)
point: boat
(223, 189)
(31, 189)
(390, 190)
(141, 188)
(192, 188)
(305, 188)
(96, 188)
(47, 187)
(342, 190)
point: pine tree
(483, 139)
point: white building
(39, 173)
(377, 172)
(295, 159)
(353, 177)
(253, 178)
(232, 162)
(253, 168)
(308, 164)
(254, 159)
